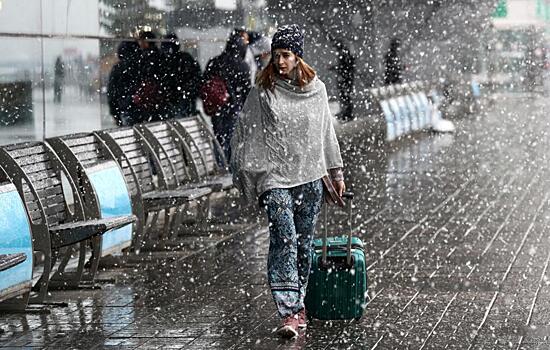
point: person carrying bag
(284, 144)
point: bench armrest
(217, 183)
(8, 261)
(75, 232)
(171, 198)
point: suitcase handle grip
(348, 195)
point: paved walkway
(456, 229)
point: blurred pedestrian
(183, 77)
(260, 46)
(249, 56)
(58, 79)
(346, 75)
(226, 83)
(149, 98)
(394, 66)
(124, 81)
(283, 145)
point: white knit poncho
(283, 139)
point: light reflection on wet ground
(456, 234)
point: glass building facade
(57, 55)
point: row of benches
(93, 194)
(408, 108)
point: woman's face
(285, 61)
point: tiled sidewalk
(457, 245)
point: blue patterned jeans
(292, 214)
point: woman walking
(283, 145)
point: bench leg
(139, 234)
(16, 304)
(41, 287)
(93, 263)
(198, 223)
(170, 215)
(70, 279)
(151, 219)
(177, 221)
(204, 214)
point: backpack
(214, 95)
(148, 95)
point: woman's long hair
(268, 75)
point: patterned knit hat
(289, 37)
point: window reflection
(57, 55)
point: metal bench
(154, 193)
(60, 226)
(422, 109)
(173, 153)
(102, 187)
(389, 115)
(205, 153)
(414, 112)
(405, 112)
(400, 125)
(16, 258)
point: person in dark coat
(183, 78)
(150, 97)
(123, 83)
(58, 79)
(232, 68)
(393, 64)
(346, 75)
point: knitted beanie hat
(289, 37)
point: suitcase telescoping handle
(347, 195)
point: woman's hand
(339, 186)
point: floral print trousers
(292, 214)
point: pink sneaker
(302, 319)
(289, 327)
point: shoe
(289, 327)
(302, 319)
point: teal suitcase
(337, 289)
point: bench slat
(41, 180)
(39, 157)
(18, 151)
(77, 141)
(84, 149)
(37, 167)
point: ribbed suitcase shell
(337, 291)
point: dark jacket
(123, 82)
(232, 68)
(151, 95)
(346, 62)
(393, 66)
(182, 79)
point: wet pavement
(456, 231)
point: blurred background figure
(346, 75)
(260, 46)
(149, 97)
(227, 74)
(58, 79)
(249, 56)
(394, 66)
(183, 77)
(124, 81)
